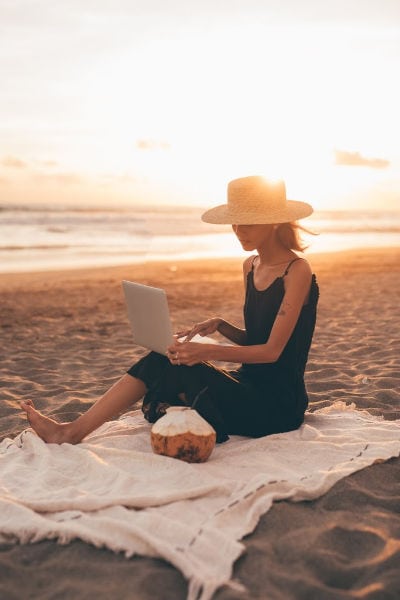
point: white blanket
(113, 491)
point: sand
(65, 339)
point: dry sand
(65, 339)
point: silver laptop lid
(149, 316)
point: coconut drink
(182, 433)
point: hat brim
(225, 215)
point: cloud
(122, 178)
(63, 179)
(13, 162)
(355, 159)
(113, 180)
(47, 163)
(152, 145)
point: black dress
(254, 400)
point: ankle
(77, 430)
(69, 433)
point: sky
(118, 102)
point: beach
(65, 339)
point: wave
(36, 247)
(177, 211)
(134, 209)
(342, 228)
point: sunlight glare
(220, 110)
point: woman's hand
(204, 328)
(187, 353)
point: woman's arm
(297, 286)
(232, 333)
(229, 331)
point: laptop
(149, 316)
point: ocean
(51, 238)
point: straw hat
(256, 200)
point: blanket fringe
(202, 590)
(205, 589)
(340, 405)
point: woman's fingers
(199, 329)
(173, 353)
(188, 334)
(183, 353)
(181, 334)
(203, 328)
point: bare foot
(49, 430)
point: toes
(26, 404)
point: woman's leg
(215, 393)
(116, 400)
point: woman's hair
(289, 236)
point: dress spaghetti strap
(286, 270)
(289, 265)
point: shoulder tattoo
(284, 308)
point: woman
(266, 394)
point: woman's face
(253, 237)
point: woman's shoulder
(248, 264)
(298, 273)
(299, 265)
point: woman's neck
(275, 255)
